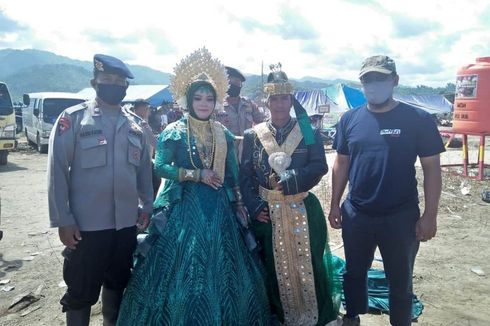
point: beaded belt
(292, 256)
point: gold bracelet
(189, 175)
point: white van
(41, 113)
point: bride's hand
(210, 178)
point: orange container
(472, 99)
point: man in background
(239, 113)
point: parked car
(41, 113)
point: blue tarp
(434, 104)
(154, 94)
(344, 97)
(312, 101)
(378, 292)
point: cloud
(346, 60)
(161, 43)
(8, 25)
(404, 26)
(367, 3)
(428, 39)
(294, 26)
(290, 25)
(250, 24)
(485, 16)
(13, 33)
(106, 37)
(312, 47)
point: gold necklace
(200, 134)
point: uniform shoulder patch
(64, 123)
(76, 108)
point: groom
(282, 160)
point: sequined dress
(199, 271)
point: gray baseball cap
(378, 63)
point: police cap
(139, 102)
(233, 72)
(111, 65)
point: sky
(428, 39)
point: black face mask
(234, 90)
(111, 94)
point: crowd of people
(229, 230)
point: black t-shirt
(383, 148)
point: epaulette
(134, 115)
(75, 108)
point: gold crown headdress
(199, 65)
(277, 82)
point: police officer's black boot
(111, 300)
(79, 317)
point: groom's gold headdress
(277, 82)
(197, 66)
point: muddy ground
(444, 281)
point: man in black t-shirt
(377, 145)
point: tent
(344, 97)
(434, 103)
(154, 94)
(314, 102)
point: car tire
(41, 148)
(4, 157)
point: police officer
(98, 169)
(141, 108)
(239, 113)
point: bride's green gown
(199, 271)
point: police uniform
(151, 140)
(240, 116)
(99, 168)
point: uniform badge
(102, 141)
(135, 129)
(136, 155)
(99, 65)
(63, 125)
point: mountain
(48, 78)
(13, 61)
(27, 71)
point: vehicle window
(5, 101)
(52, 108)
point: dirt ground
(443, 279)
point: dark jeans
(101, 258)
(394, 234)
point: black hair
(194, 87)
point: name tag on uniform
(89, 133)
